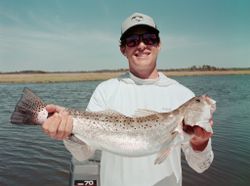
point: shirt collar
(161, 80)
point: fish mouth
(189, 129)
(212, 103)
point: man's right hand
(60, 124)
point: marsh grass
(92, 76)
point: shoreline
(18, 78)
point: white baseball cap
(138, 19)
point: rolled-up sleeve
(198, 160)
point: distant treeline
(205, 68)
(192, 68)
(51, 72)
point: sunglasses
(135, 39)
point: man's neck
(146, 74)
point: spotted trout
(146, 133)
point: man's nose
(141, 45)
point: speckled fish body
(129, 136)
(144, 134)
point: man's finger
(53, 125)
(61, 129)
(54, 108)
(68, 127)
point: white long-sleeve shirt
(126, 94)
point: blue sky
(76, 35)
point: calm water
(28, 157)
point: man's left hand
(200, 139)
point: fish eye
(198, 100)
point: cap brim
(130, 30)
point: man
(142, 87)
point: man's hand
(200, 139)
(60, 124)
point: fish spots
(110, 122)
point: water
(29, 157)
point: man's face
(141, 57)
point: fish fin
(75, 139)
(166, 148)
(28, 108)
(79, 149)
(18, 117)
(110, 112)
(144, 112)
(162, 155)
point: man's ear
(159, 45)
(122, 49)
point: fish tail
(30, 109)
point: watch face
(85, 183)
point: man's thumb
(53, 108)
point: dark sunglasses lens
(150, 39)
(132, 41)
(147, 39)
